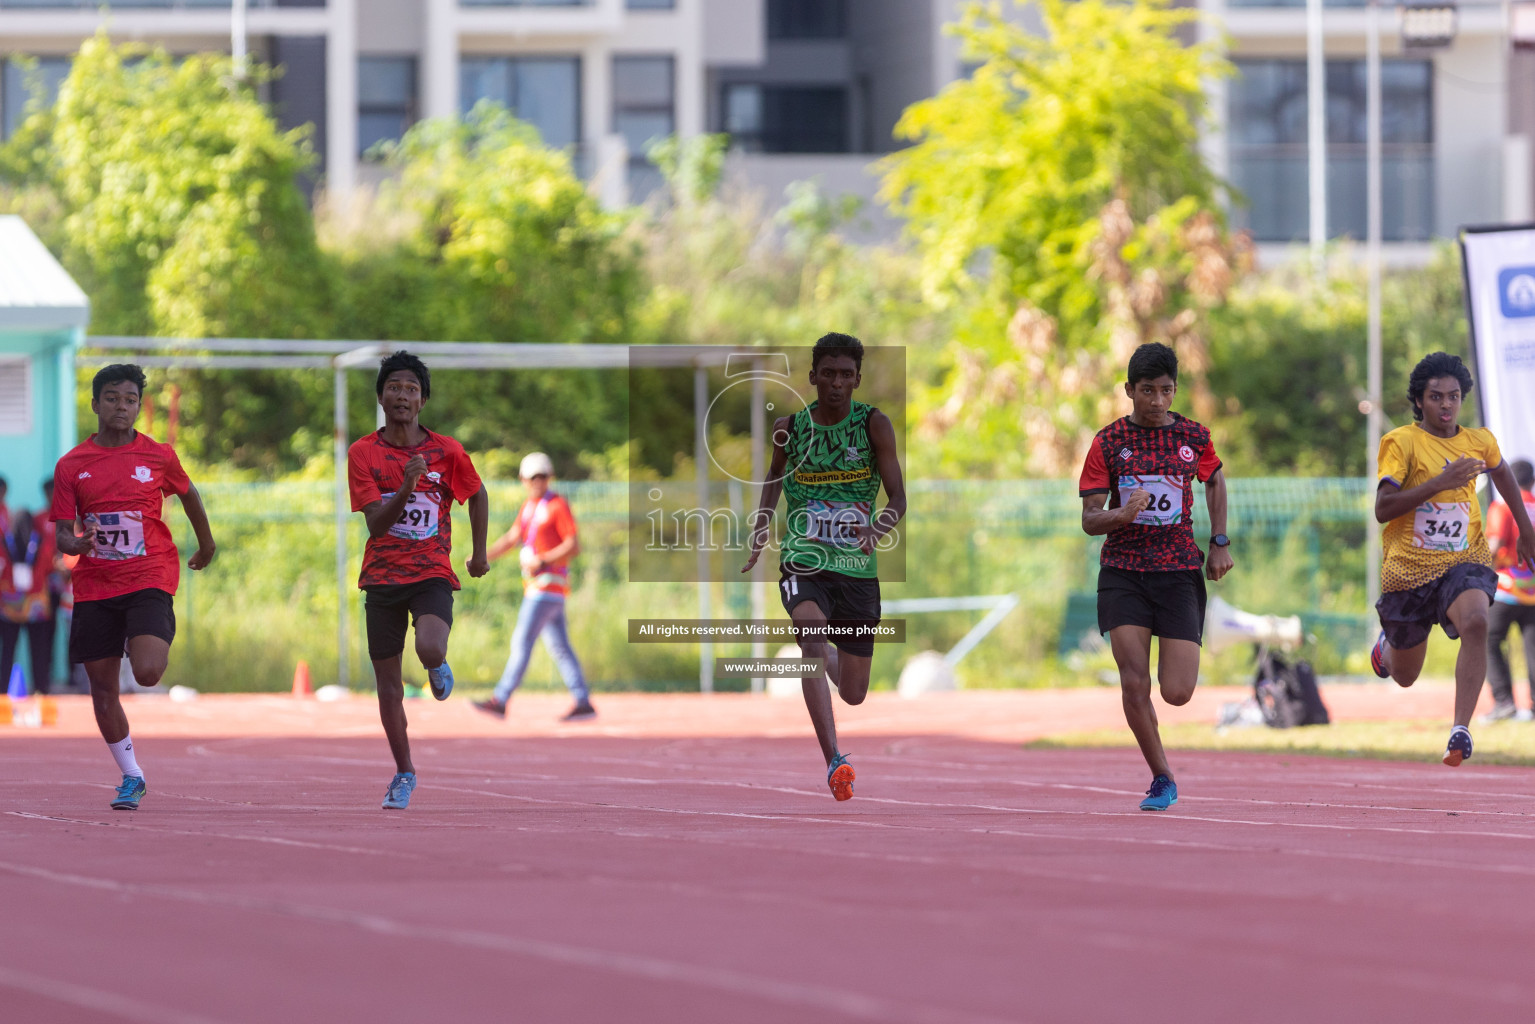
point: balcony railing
(1274, 180)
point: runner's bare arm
(772, 488)
(1508, 487)
(1391, 501)
(1097, 520)
(509, 541)
(1218, 561)
(197, 515)
(479, 521)
(70, 542)
(882, 437)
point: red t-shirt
(419, 546)
(546, 524)
(1165, 461)
(116, 494)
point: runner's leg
(817, 693)
(1177, 670)
(1132, 653)
(1469, 613)
(1404, 663)
(851, 674)
(431, 641)
(110, 718)
(1526, 620)
(148, 656)
(391, 710)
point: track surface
(623, 874)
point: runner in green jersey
(829, 460)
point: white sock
(122, 753)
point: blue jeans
(542, 615)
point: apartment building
(1456, 123)
(813, 88)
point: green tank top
(830, 484)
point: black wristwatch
(1220, 540)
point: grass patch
(1509, 743)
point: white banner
(1499, 268)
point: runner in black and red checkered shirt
(1150, 584)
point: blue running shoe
(441, 679)
(839, 776)
(1459, 747)
(400, 789)
(129, 793)
(1378, 657)
(1162, 794)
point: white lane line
(648, 968)
(237, 837)
(113, 1004)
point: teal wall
(25, 459)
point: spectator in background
(5, 513)
(1514, 603)
(26, 559)
(545, 536)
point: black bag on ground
(1288, 693)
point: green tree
(1059, 196)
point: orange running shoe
(839, 776)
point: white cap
(535, 463)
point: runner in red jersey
(1145, 465)
(404, 480)
(113, 486)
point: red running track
(596, 876)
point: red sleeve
(173, 479)
(359, 480)
(1095, 475)
(560, 516)
(466, 480)
(1209, 462)
(63, 497)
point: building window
(650, 5)
(15, 395)
(806, 19)
(1266, 126)
(644, 106)
(26, 76)
(386, 100)
(787, 118)
(543, 91)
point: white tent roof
(35, 291)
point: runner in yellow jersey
(1436, 565)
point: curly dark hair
(1435, 364)
(835, 344)
(131, 372)
(403, 360)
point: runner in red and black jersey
(113, 486)
(404, 479)
(1150, 583)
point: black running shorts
(102, 629)
(1408, 616)
(388, 605)
(1170, 604)
(846, 601)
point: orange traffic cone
(301, 684)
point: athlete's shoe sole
(840, 779)
(129, 794)
(1459, 748)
